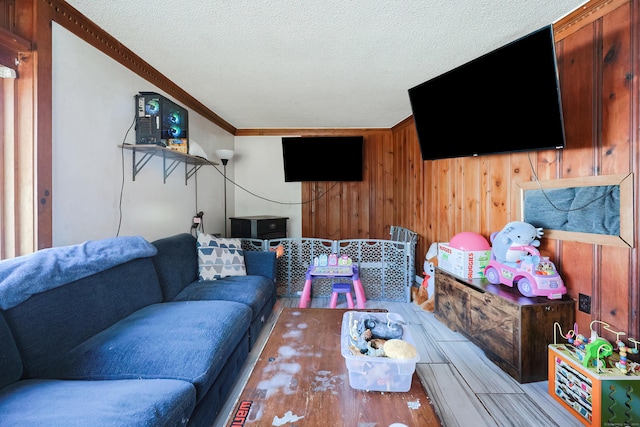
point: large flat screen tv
(504, 101)
(323, 158)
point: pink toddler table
(330, 272)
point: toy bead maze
(594, 379)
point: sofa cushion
(176, 263)
(189, 341)
(253, 291)
(51, 323)
(10, 363)
(260, 263)
(48, 403)
(218, 258)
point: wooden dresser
(512, 330)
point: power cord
(266, 199)
(546, 196)
(122, 183)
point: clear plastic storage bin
(377, 373)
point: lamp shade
(224, 154)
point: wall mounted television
(507, 100)
(323, 158)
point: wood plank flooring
(465, 387)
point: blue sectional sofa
(122, 332)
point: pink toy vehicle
(533, 274)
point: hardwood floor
(465, 387)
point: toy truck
(532, 274)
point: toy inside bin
(377, 373)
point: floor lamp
(225, 156)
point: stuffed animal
(279, 250)
(507, 244)
(424, 296)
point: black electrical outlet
(584, 303)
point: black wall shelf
(171, 159)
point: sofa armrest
(260, 263)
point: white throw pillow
(218, 258)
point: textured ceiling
(315, 63)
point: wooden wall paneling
(7, 14)
(320, 228)
(634, 274)
(401, 182)
(409, 210)
(499, 191)
(422, 222)
(364, 209)
(612, 284)
(306, 209)
(521, 171)
(457, 199)
(432, 201)
(417, 195)
(311, 209)
(389, 172)
(334, 210)
(579, 70)
(576, 85)
(350, 209)
(331, 189)
(577, 267)
(613, 287)
(485, 198)
(376, 202)
(584, 15)
(41, 131)
(443, 208)
(29, 222)
(617, 86)
(435, 211)
(470, 190)
(6, 95)
(365, 194)
(547, 164)
(428, 228)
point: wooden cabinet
(512, 330)
(259, 227)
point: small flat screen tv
(504, 101)
(323, 158)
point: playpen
(387, 267)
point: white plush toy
(423, 295)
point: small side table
(330, 272)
